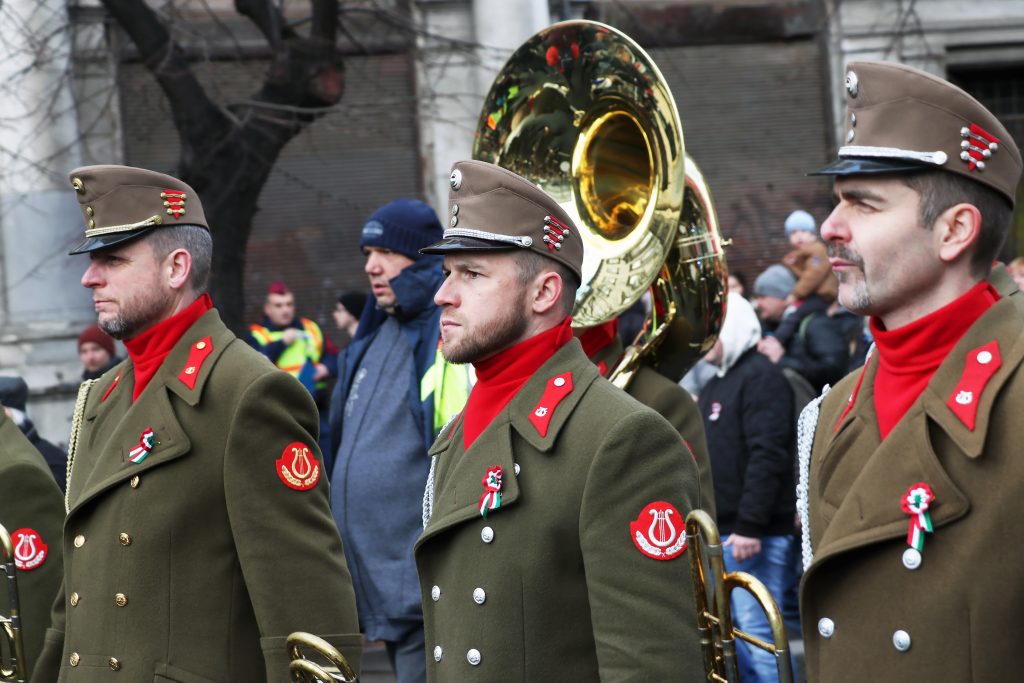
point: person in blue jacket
(394, 393)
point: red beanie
(94, 334)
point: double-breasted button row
(74, 659)
(473, 656)
(900, 638)
(479, 595)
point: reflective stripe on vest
(307, 348)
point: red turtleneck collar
(908, 356)
(502, 375)
(149, 349)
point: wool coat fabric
(30, 503)
(871, 610)
(195, 563)
(552, 585)
(675, 404)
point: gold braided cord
(76, 426)
(96, 232)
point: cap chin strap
(523, 242)
(96, 232)
(936, 158)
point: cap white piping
(523, 242)
(936, 158)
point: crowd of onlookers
(774, 354)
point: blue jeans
(773, 566)
(409, 657)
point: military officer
(553, 547)
(657, 391)
(32, 511)
(916, 479)
(198, 533)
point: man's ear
(547, 292)
(178, 266)
(958, 230)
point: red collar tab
(29, 549)
(981, 364)
(556, 389)
(111, 387)
(978, 145)
(197, 355)
(853, 397)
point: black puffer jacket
(749, 422)
(818, 351)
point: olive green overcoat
(869, 615)
(551, 586)
(673, 403)
(194, 564)
(30, 500)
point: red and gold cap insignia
(174, 200)
(659, 531)
(29, 550)
(298, 467)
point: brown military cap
(901, 119)
(121, 203)
(493, 209)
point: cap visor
(868, 166)
(90, 244)
(451, 244)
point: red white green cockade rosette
(916, 502)
(491, 499)
(139, 453)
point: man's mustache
(845, 254)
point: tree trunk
(228, 152)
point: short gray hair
(194, 239)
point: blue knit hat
(800, 220)
(404, 226)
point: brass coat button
(120, 599)
(124, 538)
(134, 482)
(74, 599)
(114, 663)
(73, 659)
(79, 540)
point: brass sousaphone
(584, 113)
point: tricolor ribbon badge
(491, 499)
(139, 453)
(915, 502)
